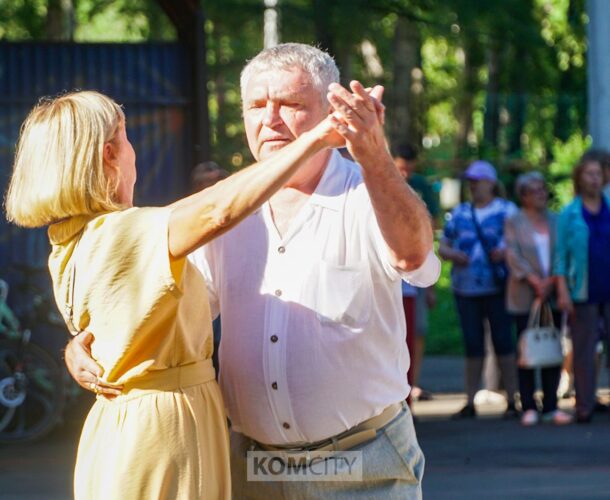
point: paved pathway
(492, 458)
(487, 458)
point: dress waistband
(169, 379)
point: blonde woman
(121, 272)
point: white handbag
(540, 343)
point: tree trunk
(406, 99)
(343, 58)
(322, 20)
(491, 124)
(465, 105)
(221, 120)
(517, 104)
(60, 20)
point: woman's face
(482, 190)
(591, 179)
(124, 159)
(535, 195)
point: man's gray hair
(319, 65)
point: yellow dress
(166, 435)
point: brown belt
(359, 434)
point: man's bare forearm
(402, 216)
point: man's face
(405, 167)
(278, 106)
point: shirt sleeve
(510, 210)
(203, 260)
(560, 257)
(449, 234)
(424, 276)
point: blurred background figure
(206, 174)
(405, 159)
(582, 266)
(530, 236)
(603, 158)
(417, 300)
(473, 241)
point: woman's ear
(109, 156)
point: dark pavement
(488, 458)
(492, 458)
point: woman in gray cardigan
(529, 240)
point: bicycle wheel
(37, 402)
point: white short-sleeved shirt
(313, 328)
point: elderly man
(313, 355)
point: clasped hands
(357, 120)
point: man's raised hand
(358, 117)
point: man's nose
(272, 115)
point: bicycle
(32, 382)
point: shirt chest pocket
(342, 294)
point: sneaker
(529, 418)
(584, 418)
(468, 411)
(511, 412)
(557, 417)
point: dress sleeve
(124, 270)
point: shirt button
(286, 425)
(278, 293)
(281, 249)
(274, 338)
(274, 385)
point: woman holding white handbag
(529, 239)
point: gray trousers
(393, 467)
(585, 336)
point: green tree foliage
(22, 19)
(504, 80)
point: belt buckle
(293, 458)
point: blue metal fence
(152, 81)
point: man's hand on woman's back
(83, 368)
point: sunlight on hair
(59, 170)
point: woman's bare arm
(206, 215)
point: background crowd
(509, 260)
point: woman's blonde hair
(59, 168)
